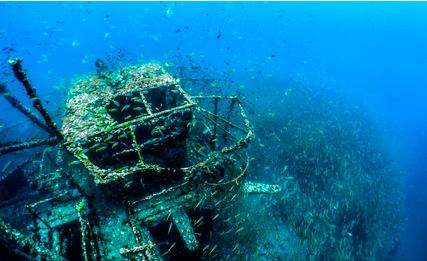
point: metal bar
(21, 165)
(221, 118)
(185, 94)
(25, 246)
(230, 109)
(31, 92)
(145, 102)
(22, 108)
(213, 97)
(135, 143)
(215, 122)
(229, 133)
(142, 119)
(12, 147)
(37, 216)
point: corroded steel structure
(137, 153)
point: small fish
(137, 109)
(236, 246)
(116, 103)
(115, 144)
(200, 201)
(101, 149)
(136, 98)
(198, 221)
(206, 248)
(217, 203)
(215, 217)
(109, 137)
(213, 249)
(113, 109)
(170, 227)
(228, 231)
(240, 230)
(75, 43)
(73, 163)
(95, 146)
(167, 252)
(127, 106)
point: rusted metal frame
(22, 108)
(45, 154)
(21, 165)
(15, 146)
(204, 124)
(196, 151)
(137, 148)
(47, 200)
(183, 200)
(164, 191)
(21, 75)
(213, 142)
(230, 110)
(181, 67)
(185, 94)
(124, 152)
(37, 216)
(198, 80)
(135, 145)
(131, 253)
(17, 200)
(136, 121)
(23, 246)
(183, 223)
(214, 96)
(222, 128)
(132, 221)
(154, 115)
(145, 102)
(224, 120)
(245, 118)
(90, 251)
(241, 175)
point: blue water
(374, 54)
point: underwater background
(331, 87)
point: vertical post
(230, 110)
(215, 121)
(16, 64)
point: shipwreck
(136, 169)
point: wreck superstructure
(140, 167)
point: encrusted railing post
(21, 75)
